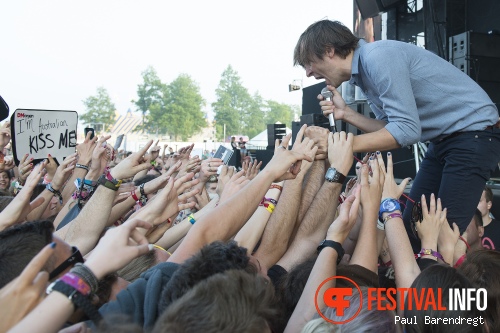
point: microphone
(328, 95)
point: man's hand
(225, 175)
(340, 153)
(285, 163)
(320, 137)
(154, 152)
(391, 189)
(7, 164)
(209, 168)
(433, 218)
(371, 186)
(132, 164)
(253, 169)
(337, 105)
(24, 168)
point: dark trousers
(455, 170)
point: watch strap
(334, 245)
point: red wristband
(76, 282)
(460, 261)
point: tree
(279, 112)
(233, 100)
(183, 115)
(150, 92)
(99, 110)
(254, 117)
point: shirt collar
(355, 61)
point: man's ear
(481, 231)
(330, 52)
(489, 204)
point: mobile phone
(89, 129)
(224, 154)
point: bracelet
(108, 176)
(342, 198)
(463, 240)
(55, 192)
(191, 218)
(270, 207)
(430, 252)
(76, 282)
(109, 184)
(46, 179)
(460, 261)
(81, 166)
(144, 197)
(276, 186)
(392, 216)
(87, 275)
(271, 200)
(136, 199)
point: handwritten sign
(42, 132)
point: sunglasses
(75, 257)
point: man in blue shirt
(415, 96)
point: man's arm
(227, 218)
(380, 140)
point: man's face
(212, 188)
(484, 206)
(328, 68)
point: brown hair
(322, 36)
(488, 195)
(234, 301)
(482, 267)
(136, 267)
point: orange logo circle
(339, 302)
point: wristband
(81, 166)
(270, 207)
(271, 200)
(109, 184)
(388, 205)
(87, 275)
(391, 216)
(430, 252)
(111, 179)
(144, 197)
(55, 192)
(191, 218)
(342, 198)
(136, 199)
(276, 186)
(76, 282)
(460, 261)
(463, 240)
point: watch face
(389, 205)
(332, 175)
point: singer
(416, 96)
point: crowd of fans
(159, 241)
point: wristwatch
(334, 176)
(388, 205)
(333, 244)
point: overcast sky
(56, 53)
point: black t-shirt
(491, 237)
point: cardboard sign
(42, 132)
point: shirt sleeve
(388, 69)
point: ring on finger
(209, 164)
(280, 146)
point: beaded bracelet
(144, 197)
(271, 200)
(270, 207)
(191, 218)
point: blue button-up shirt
(421, 96)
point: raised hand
(253, 169)
(433, 218)
(209, 168)
(225, 175)
(132, 164)
(320, 137)
(391, 189)
(235, 184)
(86, 149)
(340, 154)
(126, 240)
(24, 168)
(63, 171)
(341, 227)
(285, 163)
(337, 105)
(4, 135)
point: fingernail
(31, 159)
(378, 153)
(151, 247)
(50, 155)
(371, 158)
(357, 167)
(53, 245)
(389, 154)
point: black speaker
(310, 103)
(295, 129)
(314, 119)
(275, 131)
(265, 156)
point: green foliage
(150, 92)
(254, 117)
(174, 109)
(99, 110)
(233, 101)
(279, 112)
